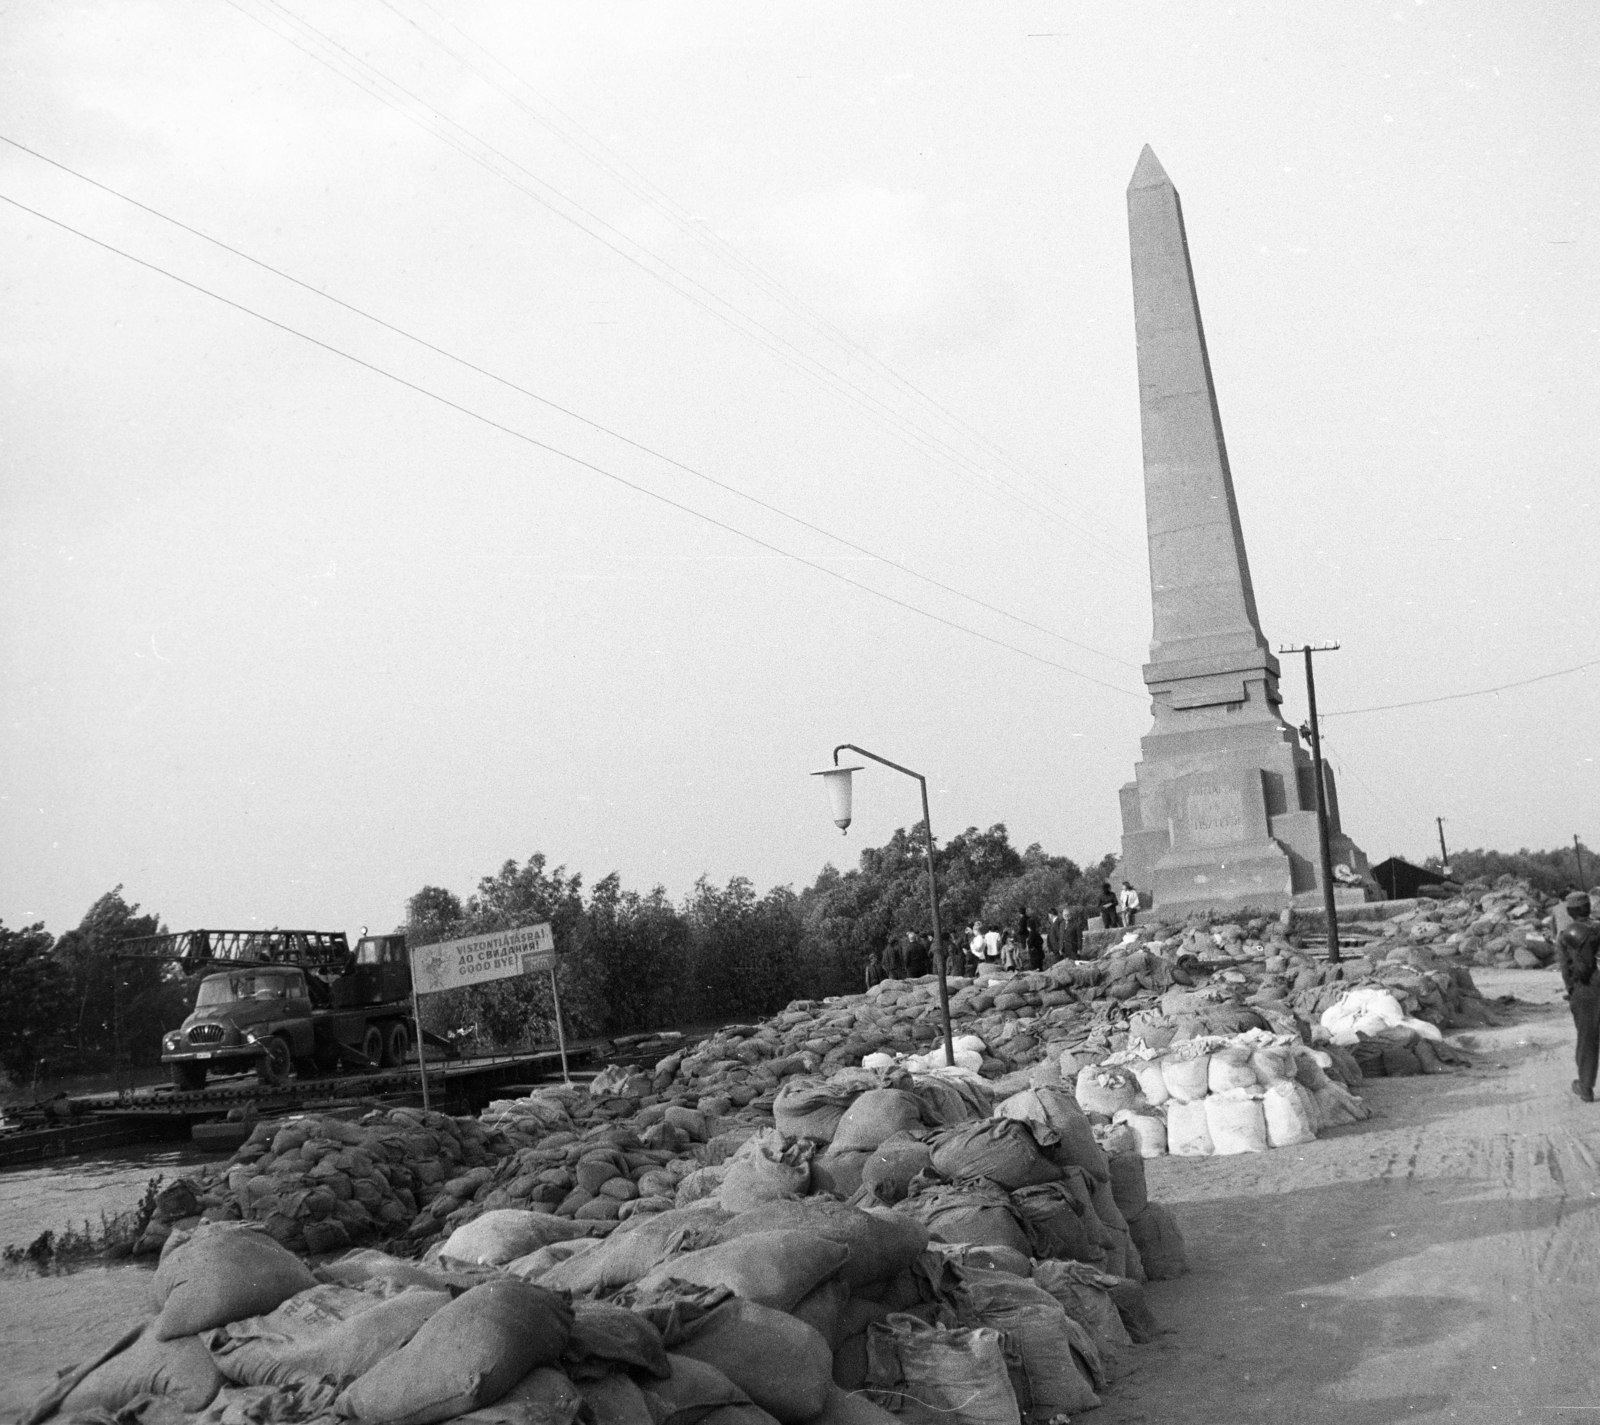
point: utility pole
(1577, 850)
(1322, 796)
(1444, 856)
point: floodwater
(50, 1321)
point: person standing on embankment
(1577, 951)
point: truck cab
(253, 1017)
(379, 973)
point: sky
(718, 383)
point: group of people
(1029, 942)
(1117, 908)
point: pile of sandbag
(1243, 1093)
(804, 1313)
(320, 1183)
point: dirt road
(1440, 1262)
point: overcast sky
(287, 639)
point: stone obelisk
(1222, 810)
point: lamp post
(837, 781)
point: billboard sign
(500, 955)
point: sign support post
(422, 1055)
(561, 1035)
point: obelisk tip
(1149, 173)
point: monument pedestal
(1221, 813)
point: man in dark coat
(918, 954)
(1576, 951)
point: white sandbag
(1149, 1132)
(1291, 1115)
(1188, 1129)
(1187, 1077)
(1152, 1081)
(1422, 1027)
(1364, 1002)
(1229, 1068)
(767, 1168)
(1236, 1122)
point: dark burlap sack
(1127, 1184)
(1137, 1317)
(776, 1269)
(849, 1408)
(822, 1309)
(972, 1212)
(889, 1171)
(882, 1244)
(1000, 1149)
(838, 1171)
(542, 1397)
(874, 1116)
(179, 1371)
(691, 1392)
(226, 1271)
(606, 1337)
(269, 1350)
(1084, 1294)
(1054, 1219)
(633, 1249)
(930, 1375)
(466, 1355)
(781, 1363)
(1059, 1358)
(616, 1400)
(808, 1108)
(1159, 1239)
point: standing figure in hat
(1576, 952)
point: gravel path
(1440, 1262)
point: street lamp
(837, 781)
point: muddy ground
(1440, 1262)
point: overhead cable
(511, 385)
(929, 444)
(1475, 693)
(538, 444)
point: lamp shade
(837, 781)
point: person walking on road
(1576, 952)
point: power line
(557, 406)
(563, 454)
(597, 152)
(1475, 693)
(932, 446)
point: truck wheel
(396, 1045)
(372, 1045)
(187, 1078)
(273, 1067)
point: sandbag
(177, 1369)
(505, 1233)
(1056, 1223)
(221, 1274)
(604, 1337)
(1149, 1132)
(1104, 1089)
(466, 1355)
(536, 1264)
(767, 1168)
(838, 1171)
(1187, 1077)
(1188, 1128)
(970, 1212)
(948, 1098)
(874, 1116)
(633, 1249)
(1060, 1361)
(1236, 1122)
(889, 1170)
(775, 1269)
(1058, 1125)
(823, 1309)
(1127, 1184)
(1291, 1114)
(1152, 1082)
(1229, 1068)
(1160, 1242)
(1274, 1063)
(367, 1267)
(616, 1400)
(846, 1407)
(268, 1350)
(542, 1397)
(931, 1375)
(691, 1392)
(807, 1108)
(1000, 1149)
(1083, 1293)
(882, 1244)
(782, 1364)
